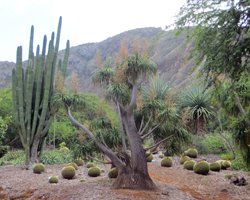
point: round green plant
(184, 159)
(166, 162)
(94, 171)
(189, 164)
(201, 167)
(38, 168)
(68, 172)
(225, 164)
(73, 165)
(79, 162)
(192, 153)
(215, 166)
(150, 158)
(113, 173)
(53, 179)
(89, 165)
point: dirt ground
(173, 183)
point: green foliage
(166, 162)
(201, 167)
(192, 153)
(72, 165)
(113, 173)
(184, 159)
(189, 164)
(56, 157)
(239, 163)
(68, 172)
(213, 144)
(53, 179)
(215, 166)
(38, 168)
(94, 171)
(13, 157)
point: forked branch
(158, 143)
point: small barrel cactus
(166, 162)
(225, 164)
(68, 172)
(79, 162)
(189, 164)
(113, 173)
(192, 153)
(161, 156)
(38, 168)
(184, 159)
(215, 166)
(90, 165)
(201, 167)
(150, 158)
(94, 171)
(53, 179)
(73, 165)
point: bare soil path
(174, 183)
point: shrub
(189, 164)
(166, 162)
(68, 172)
(214, 144)
(94, 171)
(225, 164)
(13, 157)
(90, 165)
(192, 153)
(53, 179)
(113, 173)
(184, 159)
(201, 167)
(215, 166)
(79, 162)
(150, 158)
(56, 157)
(38, 168)
(73, 165)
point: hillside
(169, 51)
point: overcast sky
(83, 20)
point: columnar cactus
(33, 88)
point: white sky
(83, 20)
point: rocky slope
(169, 51)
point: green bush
(94, 171)
(16, 157)
(184, 159)
(239, 164)
(192, 153)
(56, 157)
(215, 166)
(68, 172)
(38, 168)
(166, 162)
(189, 164)
(113, 173)
(53, 179)
(201, 167)
(150, 158)
(89, 165)
(214, 144)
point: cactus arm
(65, 59)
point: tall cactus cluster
(33, 89)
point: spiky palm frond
(103, 75)
(138, 65)
(118, 92)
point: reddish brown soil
(174, 183)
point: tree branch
(149, 132)
(158, 143)
(142, 122)
(133, 98)
(145, 127)
(240, 107)
(103, 148)
(97, 160)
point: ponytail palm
(196, 100)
